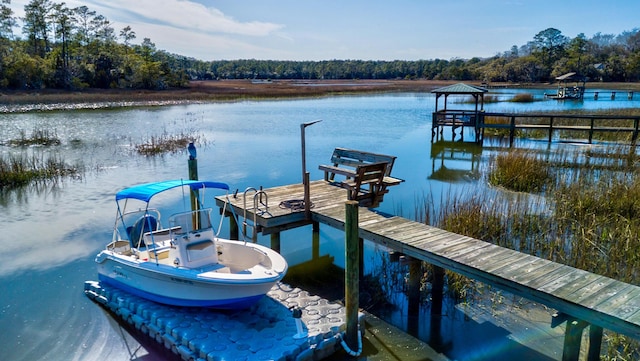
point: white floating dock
(266, 331)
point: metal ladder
(260, 198)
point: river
(52, 233)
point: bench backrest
(371, 173)
(354, 158)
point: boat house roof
(460, 88)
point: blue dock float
(268, 330)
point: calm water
(52, 234)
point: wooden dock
(564, 126)
(582, 126)
(582, 299)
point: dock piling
(352, 273)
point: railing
(589, 124)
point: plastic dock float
(269, 330)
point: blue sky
(355, 29)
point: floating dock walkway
(266, 331)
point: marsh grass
(21, 170)
(166, 143)
(38, 136)
(521, 172)
(588, 218)
(522, 98)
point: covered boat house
(458, 118)
(567, 91)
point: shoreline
(17, 101)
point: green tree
(36, 26)
(64, 26)
(549, 47)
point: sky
(354, 29)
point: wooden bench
(361, 170)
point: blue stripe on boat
(226, 304)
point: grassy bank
(229, 90)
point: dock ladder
(260, 199)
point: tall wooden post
(307, 197)
(193, 175)
(352, 273)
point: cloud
(182, 14)
(178, 14)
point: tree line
(75, 48)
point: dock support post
(234, 231)
(352, 273)
(572, 335)
(613, 95)
(413, 313)
(437, 289)
(512, 131)
(595, 343)
(275, 241)
(315, 240)
(550, 129)
(572, 339)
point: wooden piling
(193, 175)
(275, 241)
(572, 338)
(595, 343)
(352, 273)
(413, 314)
(437, 290)
(315, 241)
(234, 231)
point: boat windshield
(190, 221)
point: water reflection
(455, 161)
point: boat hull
(185, 287)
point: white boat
(183, 263)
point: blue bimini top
(145, 192)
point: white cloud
(180, 26)
(183, 14)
